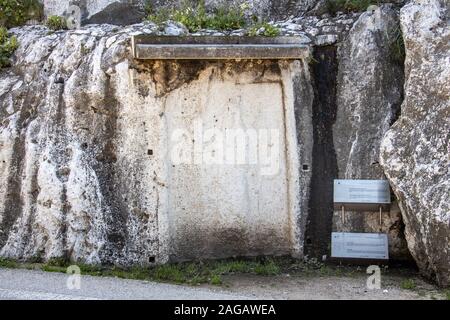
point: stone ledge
(216, 48)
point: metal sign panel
(361, 194)
(359, 245)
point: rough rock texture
(132, 11)
(86, 153)
(415, 151)
(120, 12)
(358, 95)
(123, 11)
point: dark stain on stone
(324, 167)
(104, 153)
(14, 202)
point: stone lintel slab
(218, 47)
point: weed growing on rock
(7, 263)
(408, 284)
(56, 23)
(223, 18)
(7, 47)
(264, 29)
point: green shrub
(216, 280)
(56, 23)
(225, 18)
(195, 17)
(7, 47)
(16, 12)
(264, 29)
(408, 284)
(396, 45)
(8, 263)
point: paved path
(38, 285)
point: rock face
(127, 12)
(120, 12)
(369, 94)
(415, 151)
(105, 159)
(358, 96)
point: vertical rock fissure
(324, 166)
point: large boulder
(369, 95)
(119, 12)
(415, 151)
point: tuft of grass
(223, 18)
(169, 272)
(56, 23)
(195, 17)
(408, 284)
(264, 29)
(396, 45)
(216, 280)
(8, 263)
(267, 269)
(226, 18)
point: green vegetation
(16, 12)
(195, 17)
(265, 29)
(56, 23)
(334, 6)
(7, 47)
(408, 284)
(192, 273)
(397, 45)
(8, 263)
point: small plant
(408, 284)
(268, 268)
(8, 263)
(216, 280)
(264, 29)
(56, 23)
(396, 45)
(14, 13)
(7, 47)
(225, 18)
(195, 17)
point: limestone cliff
(415, 151)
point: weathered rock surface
(119, 12)
(87, 156)
(369, 94)
(415, 151)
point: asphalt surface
(17, 284)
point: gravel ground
(39, 285)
